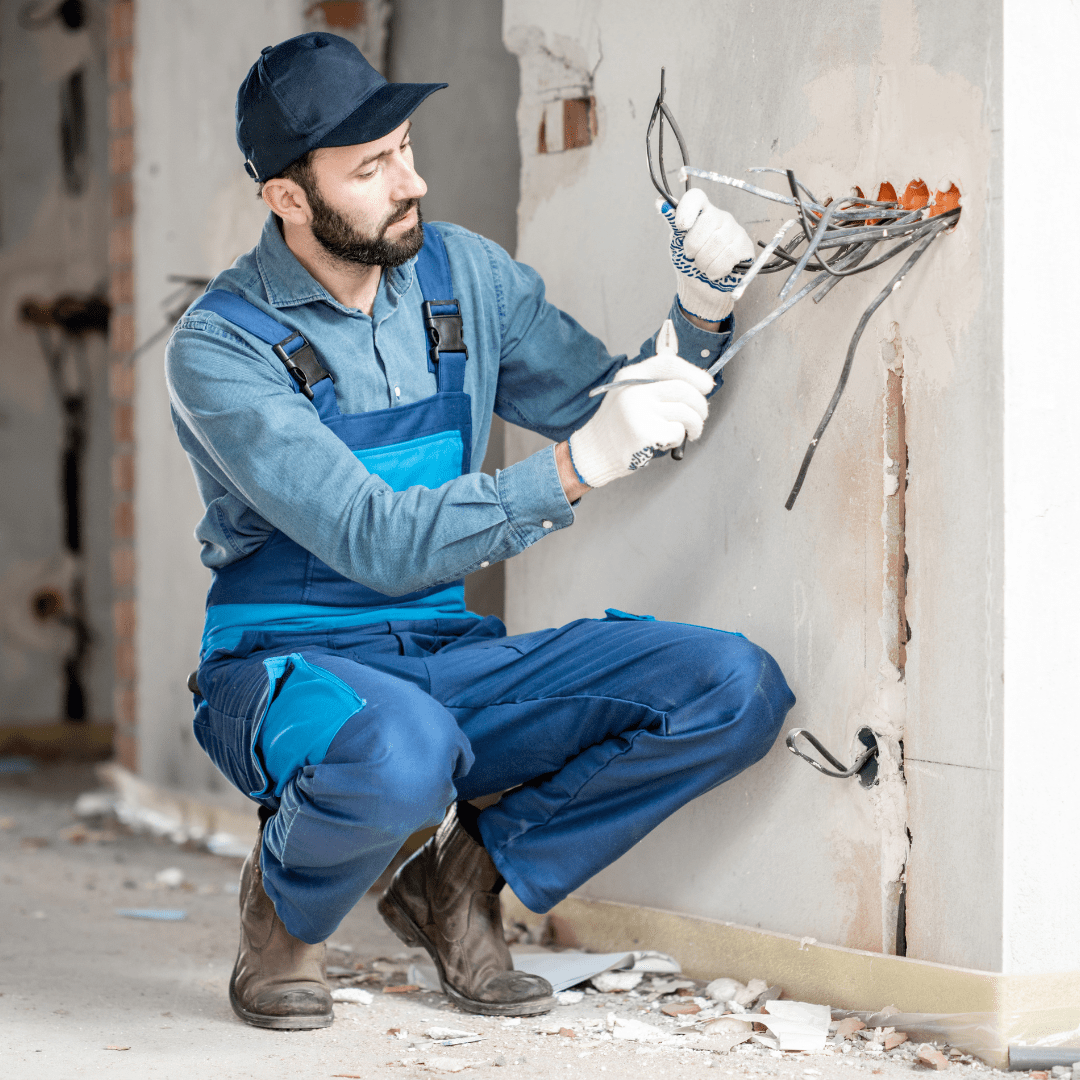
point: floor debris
(72, 967)
(352, 995)
(931, 1057)
(571, 968)
(155, 914)
(448, 1036)
(615, 982)
(171, 877)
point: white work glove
(636, 423)
(706, 243)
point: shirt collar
(288, 284)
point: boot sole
(277, 1023)
(402, 923)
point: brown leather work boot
(279, 981)
(444, 900)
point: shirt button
(706, 353)
(546, 524)
(484, 563)
(397, 389)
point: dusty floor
(85, 992)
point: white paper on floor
(797, 1025)
(566, 969)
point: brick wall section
(122, 374)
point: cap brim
(389, 107)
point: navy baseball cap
(316, 90)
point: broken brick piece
(408, 988)
(895, 1040)
(568, 1033)
(680, 1009)
(931, 1057)
(849, 1026)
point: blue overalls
(359, 717)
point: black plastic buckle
(303, 365)
(445, 332)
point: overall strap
(289, 346)
(447, 353)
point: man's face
(365, 201)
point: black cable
(846, 371)
(661, 113)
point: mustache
(402, 213)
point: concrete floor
(86, 993)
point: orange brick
(124, 619)
(122, 332)
(123, 473)
(125, 751)
(120, 63)
(121, 380)
(123, 521)
(121, 21)
(124, 660)
(121, 245)
(123, 199)
(123, 423)
(121, 287)
(123, 567)
(121, 114)
(121, 154)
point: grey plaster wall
(196, 211)
(52, 242)
(466, 148)
(845, 93)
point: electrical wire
(850, 228)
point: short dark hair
(300, 172)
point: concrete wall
(52, 242)
(845, 94)
(196, 211)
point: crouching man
(334, 390)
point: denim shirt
(263, 460)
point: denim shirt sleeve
(251, 438)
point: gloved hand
(634, 424)
(706, 243)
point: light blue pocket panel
(308, 707)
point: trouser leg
(341, 817)
(610, 727)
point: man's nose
(408, 183)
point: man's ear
(286, 198)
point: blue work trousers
(599, 730)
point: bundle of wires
(849, 230)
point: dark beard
(341, 240)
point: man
(333, 390)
